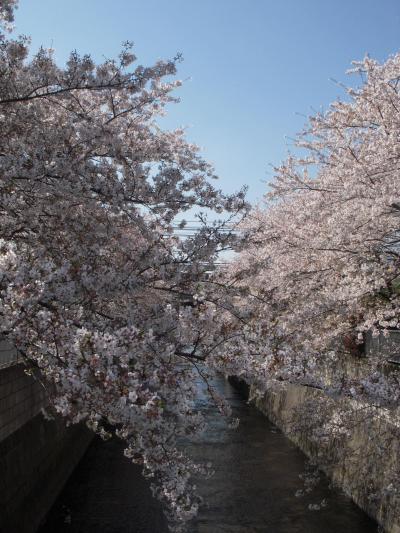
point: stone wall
(36, 455)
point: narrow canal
(253, 489)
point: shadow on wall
(36, 455)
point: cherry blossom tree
(96, 290)
(7, 13)
(319, 275)
(323, 261)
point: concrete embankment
(363, 462)
(36, 455)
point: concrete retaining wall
(362, 464)
(21, 398)
(36, 455)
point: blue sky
(253, 68)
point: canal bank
(356, 443)
(253, 490)
(37, 455)
(362, 463)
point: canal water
(253, 490)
